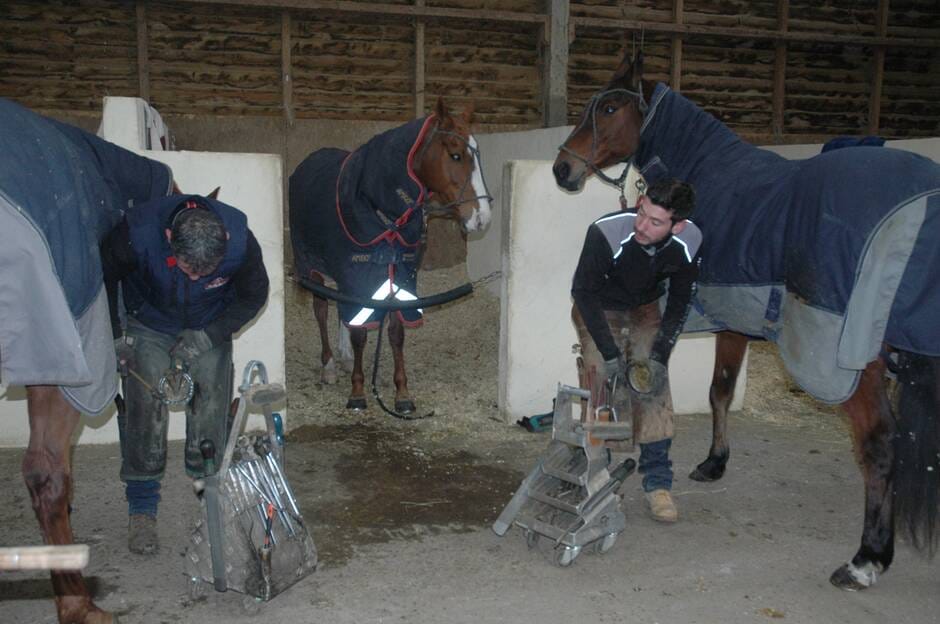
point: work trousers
(143, 429)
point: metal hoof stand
(253, 539)
(570, 497)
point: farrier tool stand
(253, 539)
(571, 497)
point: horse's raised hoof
(405, 406)
(356, 403)
(328, 373)
(852, 578)
(711, 469)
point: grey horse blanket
(828, 256)
(359, 218)
(61, 191)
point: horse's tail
(917, 450)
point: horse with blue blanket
(360, 218)
(61, 191)
(833, 258)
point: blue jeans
(655, 465)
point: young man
(625, 263)
(191, 275)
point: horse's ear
(446, 121)
(467, 115)
(630, 71)
(214, 194)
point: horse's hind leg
(396, 338)
(48, 475)
(873, 430)
(321, 311)
(357, 395)
(729, 353)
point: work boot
(142, 534)
(661, 506)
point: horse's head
(449, 166)
(609, 130)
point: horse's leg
(357, 395)
(344, 351)
(48, 475)
(321, 311)
(396, 338)
(729, 353)
(873, 429)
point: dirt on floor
(401, 510)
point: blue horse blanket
(828, 256)
(61, 191)
(358, 218)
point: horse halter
(591, 110)
(474, 154)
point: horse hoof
(356, 403)
(711, 469)
(406, 406)
(328, 374)
(852, 578)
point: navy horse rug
(358, 218)
(61, 191)
(829, 257)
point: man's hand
(190, 345)
(614, 366)
(647, 376)
(125, 354)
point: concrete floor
(402, 519)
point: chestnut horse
(831, 258)
(360, 218)
(61, 191)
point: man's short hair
(674, 195)
(198, 239)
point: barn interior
(401, 510)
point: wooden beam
(402, 11)
(287, 79)
(675, 66)
(878, 70)
(62, 557)
(419, 65)
(780, 68)
(555, 64)
(753, 33)
(143, 60)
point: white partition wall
(250, 182)
(543, 229)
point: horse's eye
(455, 157)
(609, 109)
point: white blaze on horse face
(481, 215)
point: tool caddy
(252, 538)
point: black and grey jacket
(617, 273)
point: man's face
(653, 222)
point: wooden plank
(675, 64)
(63, 557)
(418, 87)
(554, 78)
(751, 33)
(386, 10)
(878, 70)
(287, 81)
(143, 61)
(780, 69)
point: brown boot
(661, 506)
(142, 534)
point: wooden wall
(774, 70)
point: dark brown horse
(360, 218)
(831, 258)
(61, 191)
